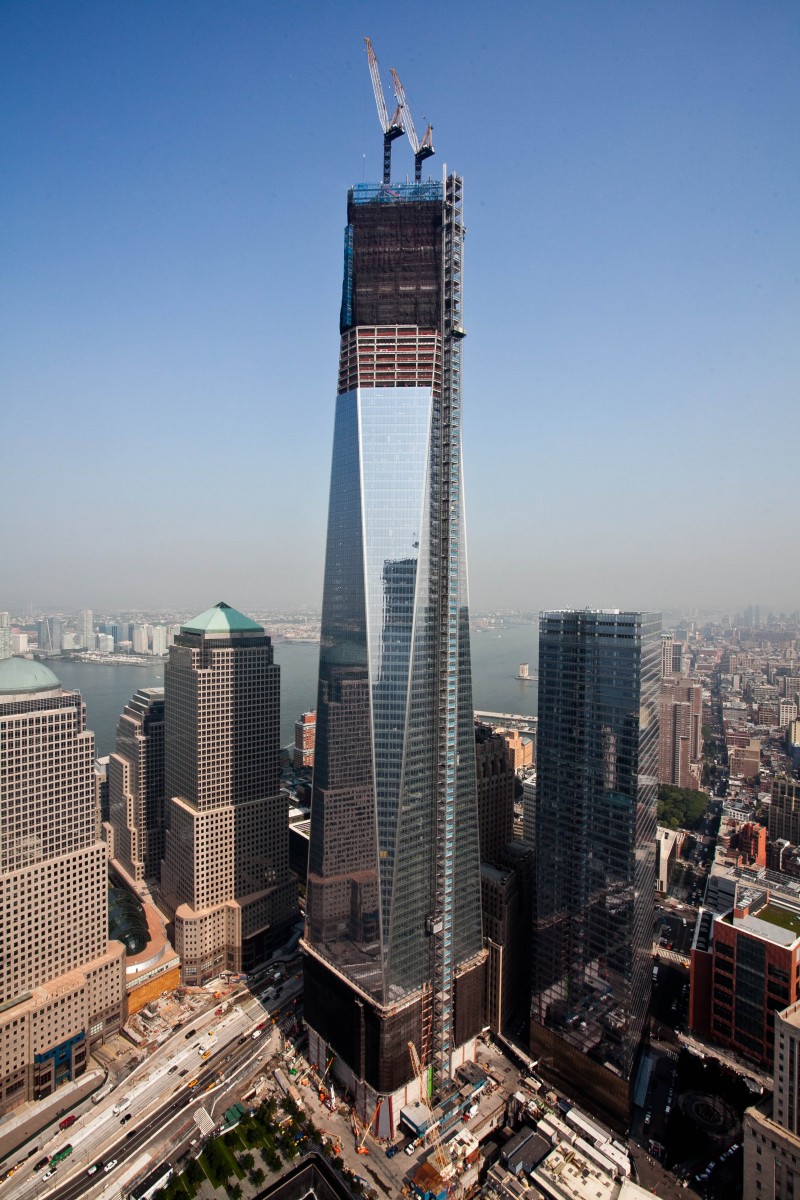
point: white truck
(120, 1108)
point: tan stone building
(772, 1129)
(225, 876)
(61, 980)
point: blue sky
(173, 196)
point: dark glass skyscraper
(393, 932)
(597, 774)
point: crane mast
(392, 128)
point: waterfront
(496, 655)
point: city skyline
(171, 230)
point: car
(391, 1151)
(49, 1173)
(126, 1118)
(206, 1054)
(95, 1167)
(192, 1083)
(184, 1072)
(41, 1163)
(189, 1033)
(112, 1162)
(172, 1070)
(70, 1120)
(242, 1039)
(130, 1133)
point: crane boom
(377, 86)
(392, 128)
(422, 149)
(442, 1161)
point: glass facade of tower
(393, 881)
(597, 769)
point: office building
(305, 732)
(61, 980)
(597, 768)
(783, 814)
(745, 966)
(136, 786)
(49, 629)
(159, 640)
(5, 635)
(19, 644)
(393, 946)
(495, 789)
(772, 1128)
(225, 875)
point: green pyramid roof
(18, 675)
(222, 619)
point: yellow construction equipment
(442, 1161)
(361, 1148)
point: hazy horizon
(174, 203)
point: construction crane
(422, 149)
(442, 1161)
(391, 128)
(361, 1148)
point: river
(496, 656)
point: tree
(194, 1172)
(257, 1177)
(235, 1191)
(246, 1161)
(680, 807)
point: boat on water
(524, 675)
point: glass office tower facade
(393, 930)
(597, 780)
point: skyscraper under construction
(393, 949)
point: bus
(61, 1154)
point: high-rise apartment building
(681, 736)
(393, 947)
(5, 635)
(62, 982)
(305, 734)
(136, 786)
(225, 875)
(86, 629)
(141, 639)
(597, 768)
(159, 640)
